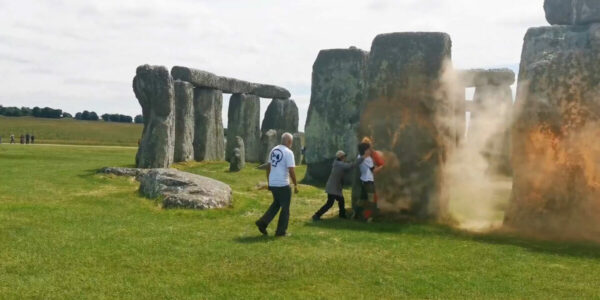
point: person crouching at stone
(280, 169)
(335, 183)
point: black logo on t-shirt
(276, 157)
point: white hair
(286, 138)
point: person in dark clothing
(22, 139)
(27, 138)
(32, 138)
(280, 170)
(335, 184)
(12, 138)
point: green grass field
(68, 233)
(70, 131)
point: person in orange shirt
(379, 163)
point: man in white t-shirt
(279, 171)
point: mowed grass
(69, 233)
(70, 131)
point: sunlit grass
(68, 233)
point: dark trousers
(330, 200)
(282, 197)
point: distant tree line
(37, 112)
(52, 113)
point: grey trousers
(282, 197)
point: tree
(67, 115)
(78, 116)
(105, 117)
(139, 119)
(94, 116)
(85, 115)
(36, 112)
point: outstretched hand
(296, 189)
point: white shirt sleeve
(290, 161)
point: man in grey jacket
(335, 183)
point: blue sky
(77, 55)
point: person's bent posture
(279, 171)
(335, 184)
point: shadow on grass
(258, 239)
(563, 248)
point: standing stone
(238, 159)
(281, 115)
(184, 121)
(572, 12)
(297, 148)
(268, 141)
(556, 150)
(338, 87)
(408, 114)
(209, 141)
(244, 121)
(153, 87)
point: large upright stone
(243, 120)
(281, 115)
(184, 121)
(338, 87)
(297, 148)
(153, 87)
(268, 141)
(238, 159)
(556, 150)
(209, 139)
(572, 12)
(409, 114)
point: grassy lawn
(68, 233)
(70, 131)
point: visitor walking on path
(12, 138)
(32, 138)
(27, 138)
(335, 184)
(279, 171)
(22, 139)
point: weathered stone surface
(268, 141)
(281, 115)
(270, 91)
(209, 139)
(153, 87)
(119, 171)
(184, 121)
(481, 77)
(228, 85)
(556, 152)
(338, 94)
(238, 159)
(185, 190)
(297, 148)
(243, 119)
(179, 189)
(407, 114)
(572, 12)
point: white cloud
(80, 55)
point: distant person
(12, 138)
(32, 138)
(335, 183)
(22, 140)
(27, 138)
(279, 171)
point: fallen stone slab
(228, 85)
(572, 12)
(132, 172)
(179, 189)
